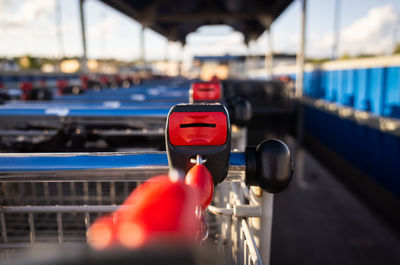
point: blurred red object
(102, 234)
(61, 85)
(85, 81)
(197, 128)
(26, 88)
(206, 91)
(42, 83)
(104, 80)
(200, 178)
(214, 78)
(158, 210)
(117, 78)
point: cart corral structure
(111, 119)
(52, 198)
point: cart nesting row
(52, 198)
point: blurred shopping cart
(53, 198)
(95, 120)
(99, 120)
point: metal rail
(47, 209)
(59, 209)
(57, 117)
(237, 232)
(363, 118)
(82, 167)
(249, 243)
(87, 104)
(57, 111)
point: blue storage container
(332, 92)
(392, 97)
(346, 89)
(377, 80)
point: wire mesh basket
(48, 213)
(42, 207)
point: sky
(29, 27)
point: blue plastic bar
(84, 112)
(90, 166)
(88, 161)
(125, 98)
(108, 104)
(132, 94)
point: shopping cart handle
(137, 166)
(269, 166)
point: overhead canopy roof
(175, 19)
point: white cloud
(214, 40)
(27, 27)
(231, 44)
(13, 14)
(372, 34)
(105, 26)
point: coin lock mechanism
(205, 92)
(199, 129)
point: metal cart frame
(241, 212)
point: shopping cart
(68, 191)
(53, 198)
(98, 120)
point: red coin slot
(197, 128)
(206, 91)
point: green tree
(397, 49)
(29, 62)
(345, 56)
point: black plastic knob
(78, 137)
(241, 111)
(269, 166)
(3, 97)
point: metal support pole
(103, 39)
(83, 30)
(180, 59)
(269, 56)
(299, 94)
(336, 31)
(396, 27)
(166, 58)
(59, 32)
(142, 46)
(300, 55)
(247, 60)
(166, 51)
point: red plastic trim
(197, 128)
(206, 91)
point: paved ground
(317, 220)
